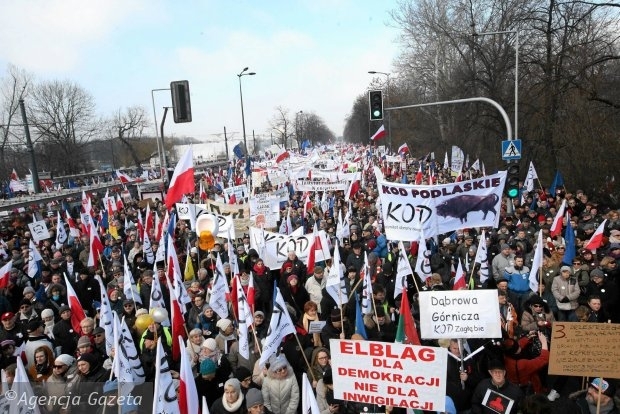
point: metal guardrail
(57, 195)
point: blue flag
(360, 329)
(248, 166)
(238, 151)
(558, 181)
(305, 144)
(569, 239)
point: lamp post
(160, 146)
(387, 101)
(300, 127)
(516, 33)
(243, 73)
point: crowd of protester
(35, 313)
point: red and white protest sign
(397, 375)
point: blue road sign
(511, 149)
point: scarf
(231, 408)
(316, 338)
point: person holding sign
(496, 395)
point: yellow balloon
(206, 227)
(206, 240)
(143, 322)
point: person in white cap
(63, 371)
(226, 337)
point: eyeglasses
(561, 248)
(537, 306)
(58, 366)
(576, 263)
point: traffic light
(182, 109)
(375, 102)
(512, 181)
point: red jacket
(525, 371)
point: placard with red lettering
(397, 375)
(437, 209)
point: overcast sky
(309, 55)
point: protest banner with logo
(585, 349)
(459, 314)
(386, 374)
(39, 230)
(273, 247)
(438, 209)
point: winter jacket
(524, 372)
(281, 396)
(518, 279)
(566, 288)
(508, 389)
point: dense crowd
(36, 315)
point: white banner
(397, 375)
(39, 230)
(458, 158)
(240, 191)
(460, 314)
(274, 250)
(321, 181)
(406, 208)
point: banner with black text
(438, 209)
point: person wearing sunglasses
(537, 316)
(63, 370)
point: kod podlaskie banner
(409, 210)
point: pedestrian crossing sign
(511, 149)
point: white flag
(164, 393)
(308, 400)
(482, 257)
(106, 317)
(366, 287)
(246, 319)
(147, 249)
(403, 269)
(217, 299)
(536, 263)
(423, 261)
(130, 290)
(130, 353)
(157, 295)
(33, 258)
(335, 284)
(531, 176)
(121, 366)
(280, 326)
(22, 389)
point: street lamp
(300, 126)
(516, 33)
(243, 73)
(160, 146)
(387, 101)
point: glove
(564, 300)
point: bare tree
(282, 125)
(13, 88)
(127, 127)
(313, 128)
(63, 113)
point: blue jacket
(518, 280)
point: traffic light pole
(466, 100)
